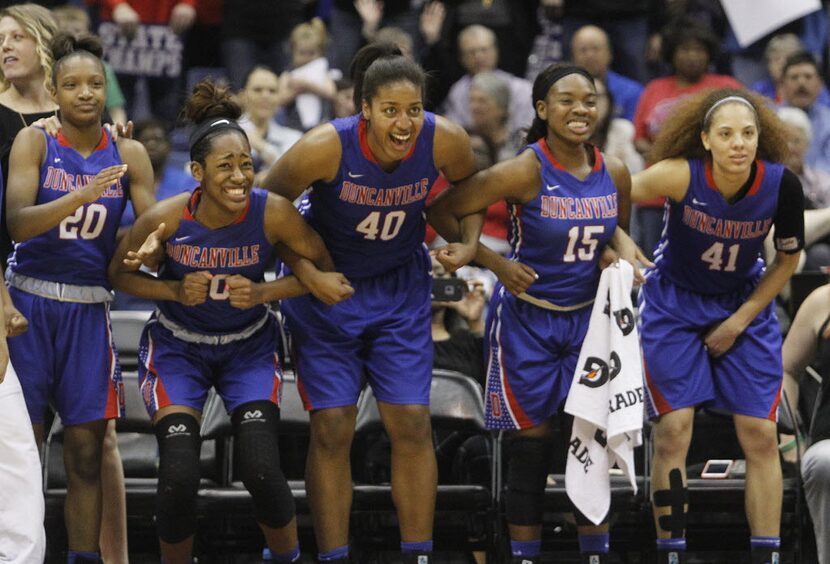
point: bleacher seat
(127, 326)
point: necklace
(23, 119)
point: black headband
(557, 73)
(206, 127)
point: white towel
(606, 397)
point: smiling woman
(213, 325)
(370, 175)
(538, 315)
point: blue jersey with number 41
(371, 220)
(712, 246)
(78, 250)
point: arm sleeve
(789, 219)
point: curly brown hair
(680, 134)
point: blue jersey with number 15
(563, 230)
(371, 220)
(78, 250)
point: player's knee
(258, 462)
(672, 438)
(332, 429)
(410, 424)
(179, 444)
(529, 464)
(83, 460)
(759, 440)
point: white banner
(753, 19)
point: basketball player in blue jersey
(708, 326)
(65, 199)
(213, 327)
(567, 204)
(370, 175)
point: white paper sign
(753, 19)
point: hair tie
(206, 127)
(726, 100)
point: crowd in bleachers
(287, 64)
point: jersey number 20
(86, 223)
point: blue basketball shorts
(381, 334)
(174, 371)
(67, 358)
(531, 356)
(674, 321)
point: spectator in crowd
(689, 48)
(800, 87)
(343, 103)
(479, 53)
(548, 45)
(591, 48)
(75, 21)
(355, 22)
(25, 72)
(458, 328)
(143, 43)
(261, 100)
(168, 179)
(489, 107)
(814, 181)
(808, 342)
(396, 36)
(614, 135)
(255, 32)
(308, 88)
(628, 24)
(778, 50)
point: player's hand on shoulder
(103, 180)
(194, 287)
(329, 287)
(51, 125)
(515, 276)
(150, 253)
(455, 255)
(243, 293)
(120, 130)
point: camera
(448, 289)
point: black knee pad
(179, 444)
(530, 461)
(582, 521)
(258, 462)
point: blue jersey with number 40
(371, 220)
(711, 246)
(78, 250)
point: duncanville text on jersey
(725, 228)
(384, 197)
(62, 181)
(591, 207)
(196, 256)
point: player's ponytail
(212, 109)
(64, 45)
